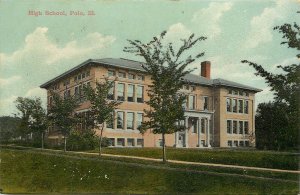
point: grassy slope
(23, 172)
(280, 160)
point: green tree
(8, 126)
(167, 67)
(39, 120)
(24, 106)
(102, 109)
(286, 87)
(61, 115)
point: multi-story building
(219, 113)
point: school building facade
(218, 112)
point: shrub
(82, 140)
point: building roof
(137, 66)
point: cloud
(208, 18)
(177, 31)
(8, 81)
(261, 26)
(40, 58)
(39, 48)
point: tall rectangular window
(234, 127)
(139, 120)
(229, 126)
(120, 120)
(140, 94)
(194, 125)
(131, 76)
(234, 105)
(246, 128)
(111, 92)
(246, 107)
(121, 92)
(192, 102)
(111, 73)
(122, 74)
(140, 77)
(202, 125)
(241, 127)
(130, 93)
(129, 120)
(241, 106)
(110, 121)
(205, 103)
(184, 104)
(228, 104)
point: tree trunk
(164, 148)
(100, 140)
(42, 140)
(65, 140)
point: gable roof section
(137, 66)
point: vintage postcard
(149, 97)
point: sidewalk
(172, 161)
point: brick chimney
(205, 69)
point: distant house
(219, 113)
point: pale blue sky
(36, 49)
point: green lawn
(30, 171)
(279, 160)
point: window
(235, 143)
(202, 142)
(129, 121)
(140, 94)
(83, 75)
(131, 76)
(235, 92)
(241, 143)
(234, 105)
(77, 92)
(120, 121)
(140, 142)
(187, 87)
(229, 126)
(246, 105)
(234, 127)
(229, 143)
(121, 92)
(130, 142)
(67, 94)
(241, 127)
(110, 121)
(247, 94)
(241, 106)
(246, 128)
(240, 93)
(247, 143)
(122, 74)
(228, 105)
(67, 82)
(140, 77)
(230, 91)
(202, 125)
(192, 102)
(111, 142)
(130, 93)
(139, 120)
(194, 126)
(111, 92)
(205, 103)
(50, 100)
(120, 142)
(87, 74)
(184, 104)
(193, 88)
(111, 73)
